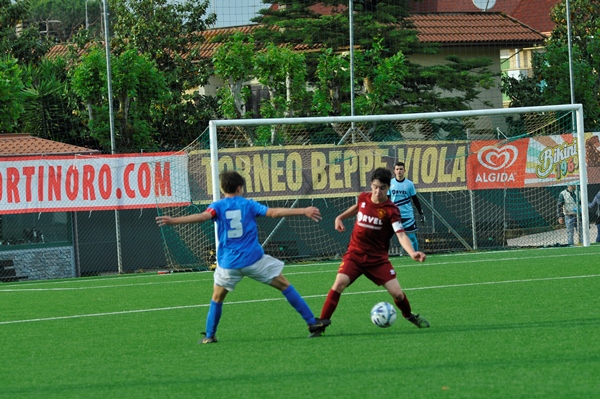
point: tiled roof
(471, 28)
(534, 13)
(208, 48)
(63, 49)
(444, 28)
(18, 145)
(435, 6)
(438, 21)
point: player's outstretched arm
(407, 245)
(195, 218)
(310, 212)
(339, 221)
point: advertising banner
(496, 164)
(531, 162)
(327, 171)
(130, 181)
(77, 183)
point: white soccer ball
(383, 314)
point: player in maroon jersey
(377, 220)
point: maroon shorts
(378, 270)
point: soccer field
(510, 324)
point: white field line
(26, 287)
(307, 296)
(25, 284)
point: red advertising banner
(105, 182)
(533, 162)
(494, 164)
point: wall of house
(493, 94)
(484, 126)
(215, 83)
(210, 89)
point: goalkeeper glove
(423, 220)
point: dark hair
(399, 163)
(230, 181)
(383, 175)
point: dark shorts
(379, 270)
(409, 228)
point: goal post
(486, 179)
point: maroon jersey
(373, 227)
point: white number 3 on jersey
(236, 229)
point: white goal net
(486, 179)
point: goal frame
(578, 127)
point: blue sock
(212, 320)
(413, 240)
(294, 298)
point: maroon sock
(404, 306)
(333, 297)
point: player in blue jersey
(239, 254)
(402, 192)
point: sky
(235, 12)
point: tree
(61, 19)
(49, 104)
(385, 39)
(12, 94)
(39, 98)
(550, 80)
(168, 34)
(139, 89)
(331, 84)
(382, 77)
(283, 72)
(233, 62)
(17, 39)
(585, 31)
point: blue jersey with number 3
(237, 230)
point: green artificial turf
(510, 324)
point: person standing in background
(594, 211)
(568, 211)
(402, 192)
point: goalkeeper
(239, 254)
(402, 191)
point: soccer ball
(383, 314)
